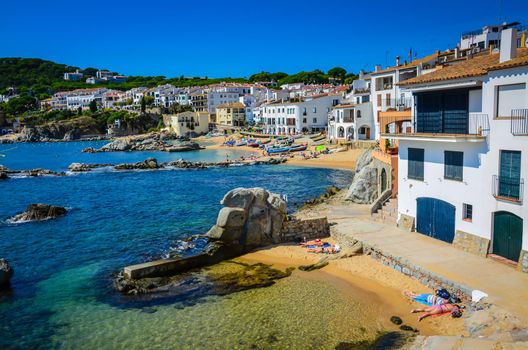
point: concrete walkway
(506, 287)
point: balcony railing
(519, 122)
(395, 104)
(469, 124)
(509, 189)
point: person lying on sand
(426, 298)
(454, 309)
(328, 250)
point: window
(315, 110)
(379, 100)
(467, 212)
(358, 114)
(415, 164)
(510, 97)
(304, 120)
(314, 120)
(453, 165)
(510, 174)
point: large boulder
(3, 175)
(6, 272)
(118, 145)
(364, 187)
(252, 217)
(38, 212)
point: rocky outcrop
(6, 272)
(147, 164)
(65, 130)
(364, 187)
(251, 217)
(38, 212)
(81, 167)
(148, 142)
(3, 175)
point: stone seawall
(298, 230)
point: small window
(453, 165)
(468, 212)
(315, 120)
(415, 164)
(315, 110)
(304, 120)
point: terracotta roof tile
(232, 105)
(412, 64)
(473, 67)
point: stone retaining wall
(427, 278)
(471, 243)
(523, 262)
(296, 230)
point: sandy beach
(379, 287)
(345, 160)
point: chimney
(377, 68)
(508, 45)
(397, 61)
(361, 74)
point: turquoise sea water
(61, 293)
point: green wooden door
(507, 235)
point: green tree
(79, 111)
(337, 73)
(93, 106)
(149, 100)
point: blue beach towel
(422, 299)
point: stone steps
(388, 214)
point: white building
(462, 164)
(249, 101)
(385, 93)
(489, 36)
(349, 122)
(293, 117)
(81, 98)
(73, 76)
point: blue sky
(237, 37)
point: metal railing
(519, 122)
(395, 104)
(507, 188)
(469, 124)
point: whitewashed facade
(474, 177)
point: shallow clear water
(61, 293)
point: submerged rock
(222, 279)
(38, 212)
(396, 320)
(6, 272)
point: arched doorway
(435, 218)
(507, 235)
(341, 132)
(350, 133)
(383, 180)
(364, 133)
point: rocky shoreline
(147, 164)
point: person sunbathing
(426, 298)
(454, 309)
(333, 249)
